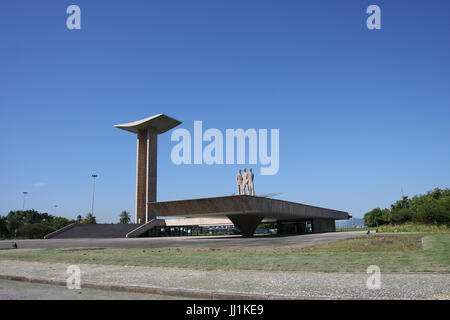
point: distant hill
(351, 223)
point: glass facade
(294, 227)
(169, 232)
(184, 231)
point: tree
(443, 214)
(401, 204)
(89, 219)
(401, 215)
(376, 217)
(386, 216)
(31, 216)
(34, 231)
(432, 207)
(60, 222)
(79, 218)
(3, 229)
(14, 220)
(30, 224)
(47, 218)
(125, 217)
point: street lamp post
(23, 203)
(93, 192)
(55, 206)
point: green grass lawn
(355, 229)
(414, 227)
(392, 253)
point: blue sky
(363, 114)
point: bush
(60, 222)
(125, 217)
(401, 215)
(377, 217)
(34, 231)
(3, 227)
(90, 218)
(430, 208)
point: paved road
(187, 242)
(18, 290)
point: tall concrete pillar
(152, 156)
(147, 131)
(141, 177)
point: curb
(176, 292)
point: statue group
(245, 181)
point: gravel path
(19, 290)
(285, 284)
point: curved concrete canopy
(160, 122)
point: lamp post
(23, 203)
(55, 206)
(93, 192)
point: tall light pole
(23, 203)
(93, 192)
(55, 206)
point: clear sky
(363, 114)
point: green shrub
(414, 227)
(430, 208)
(401, 215)
(34, 231)
(3, 227)
(60, 222)
(377, 217)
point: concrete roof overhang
(160, 122)
(270, 209)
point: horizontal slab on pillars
(243, 204)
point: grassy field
(392, 253)
(355, 229)
(414, 227)
(404, 227)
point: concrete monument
(245, 181)
(147, 131)
(240, 183)
(251, 186)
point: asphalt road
(186, 242)
(18, 290)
